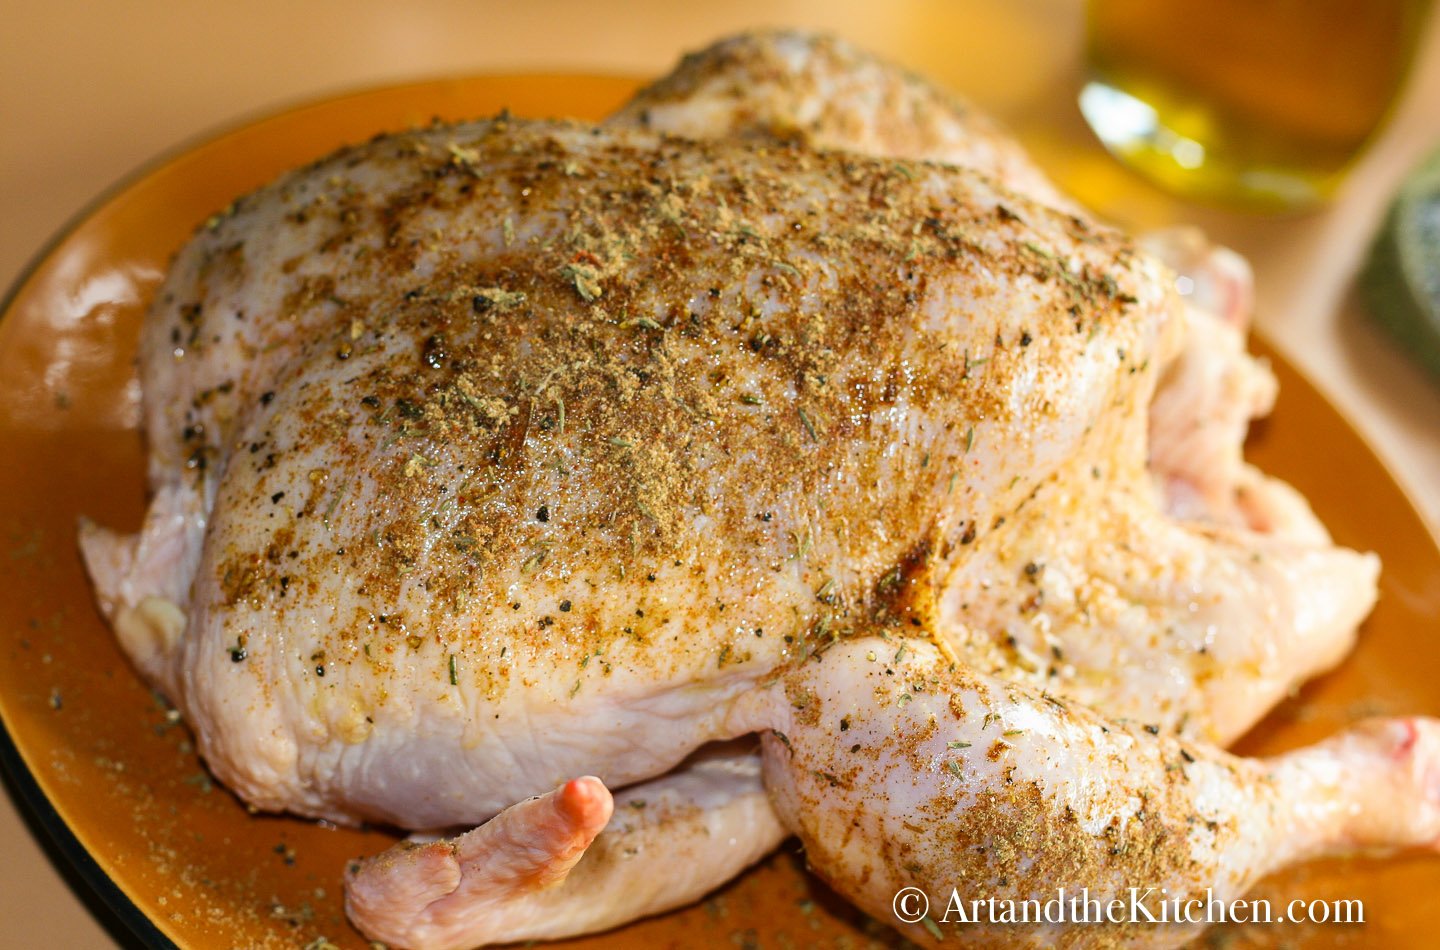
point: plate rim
(119, 909)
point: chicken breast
(532, 446)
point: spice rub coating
(517, 420)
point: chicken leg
(898, 769)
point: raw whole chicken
(517, 459)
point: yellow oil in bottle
(1257, 102)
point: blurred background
(90, 93)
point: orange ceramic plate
(117, 781)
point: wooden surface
(89, 93)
